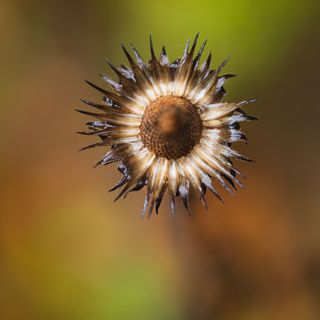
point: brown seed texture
(171, 127)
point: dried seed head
(171, 127)
(167, 126)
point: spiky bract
(166, 125)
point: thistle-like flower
(167, 127)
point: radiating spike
(139, 60)
(122, 168)
(139, 167)
(123, 181)
(236, 135)
(124, 190)
(151, 207)
(155, 67)
(103, 91)
(239, 116)
(96, 124)
(94, 145)
(163, 57)
(110, 157)
(222, 182)
(124, 75)
(202, 196)
(113, 96)
(98, 106)
(206, 65)
(198, 57)
(159, 198)
(122, 101)
(223, 64)
(140, 184)
(153, 56)
(215, 161)
(221, 80)
(243, 158)
(203, 188)
(208, 183)
(248, 117)
(185, 53)
(115, 85)
(184, 194)
(219, 110)
(114, 69)
(242, 175)
(227, 151)
(172, 205)
(127, 74)
(131, 61)
(92, 114)
(136, 68)
(194, 45)
(145, 205)
(245, 102)
(202, 48)
(229, 180)
(91, 133)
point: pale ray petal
(145, 205)
(211, 159)
(173, 178)
(141, 164)
(218, 110)
(195, 175)
(210, 171)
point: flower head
(167, 127)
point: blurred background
(69, 252)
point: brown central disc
(171, 127)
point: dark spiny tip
(111, 65)
(223, 64)
(203, 46)
(219, 197)
(97, 164)
(88, 113)
(92, 85)
(127, 54)
(245, 102)
(108, 61)
(196, 37)
(204, 202)
(252, 118)
(123, 47)
(153, 56)
(84, 148)
(136, 53)
(194, 44)
(228, 76)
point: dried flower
(168, 128)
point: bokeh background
(69, 252)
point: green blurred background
(69, 252)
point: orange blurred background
(69, 252)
